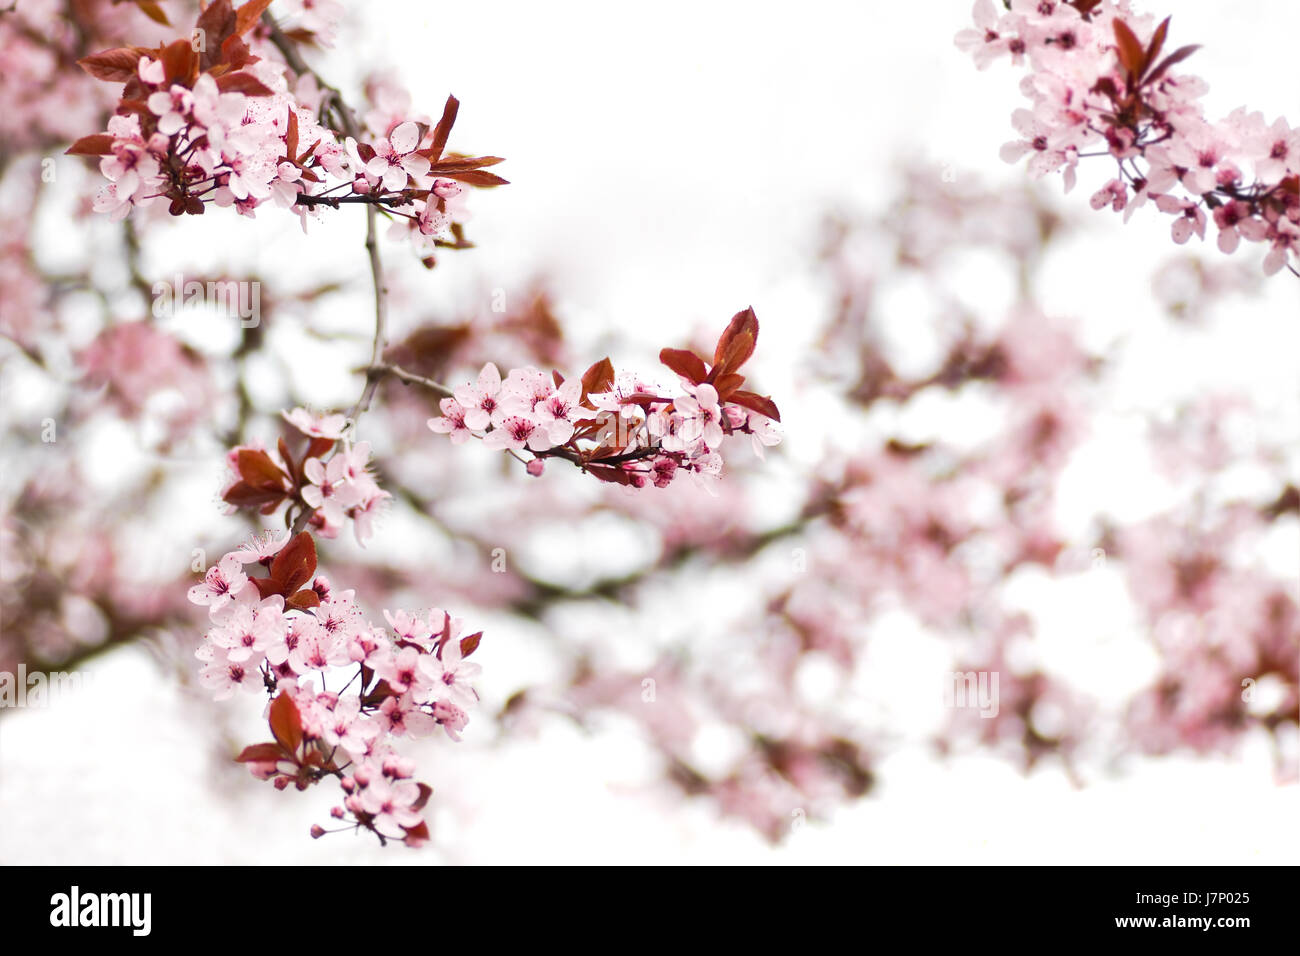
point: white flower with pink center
(395, 158)
(450, 675)
(702, 413)
(330, 492)
(223, 581)
(481, 401)
(452, 423)
(316, 426)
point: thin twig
(350, 126)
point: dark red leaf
(283, 448)
(235, 52)
(286, 723)
(115, 66)
(318, 447)
(218, 24)
(611, 474)
(417, 834)
(684, 363)
(727, 384)
(733, 349)
(152, 11)
(464, 165)
(599, 378)
(257, 468)
(246, 17)
(468, 645)
(757, 403)
(262, 753)
(244, 83)
(426, 792)
(1129, 48)
(477, 177)
(1173, 59)
(295, 564)
(179, 62)
(243, 495)
(302, 600)
(443, 129)
(291, 136)
(1157, 43)
(99, 144)
(265, 587)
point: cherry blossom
(1102, 82)
(221, 584)
(294, 641)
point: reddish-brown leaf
(417, 834)
(611, 474)
(292, 469)
(318, 447)
(1129, 48)
(1156, 45)
(443, 129)
(478, 177)
(257, 468)
(286, 723)
(99, 144)
(244, 83)
(728, 356)
(757, 403)
(468, 645)
(684, 363)
(261, 753)
(739, 349)
(295, 564)
(465, 164)
(426, 792)
(154, 12)
(1173, 59)
(235, 52)
(115, 66)
(243, 495)
(266, 587)
(302, 600)
(246, 17)
(291, 136)
(727, 383)
(218, 24)
(179, 61)
(599, 378)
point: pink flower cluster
(232, 149)
(331, 478)
(195, 127)
(622, 428)
(202, 144)
(632, 425)
(1097, 77)
(406, 682)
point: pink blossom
(395, 158)
(223, 581)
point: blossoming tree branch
(232, 116)
(1103, 83)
